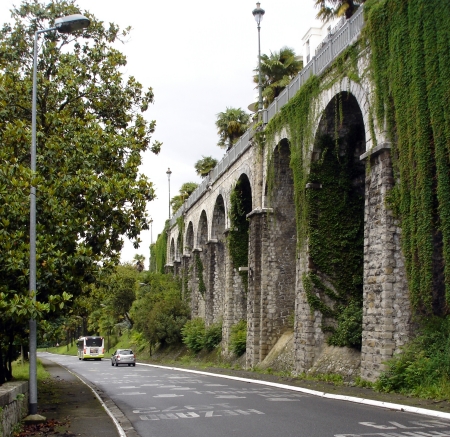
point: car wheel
(129, 365)
(134, 365)
(117, 364)
(112, 364)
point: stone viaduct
(269, 292)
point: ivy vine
(335, 226)
(238, 235)
(199, 269)
(410, 66)
(158, 251)
(329, 220)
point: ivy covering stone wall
(410, 66)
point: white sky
(198, 56)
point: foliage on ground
(238, 338)
(423, 367)
(159, 310)
(21, 371)
(196, 336)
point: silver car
(123, 356)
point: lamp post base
(34, 419)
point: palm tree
(205, 165)
(336, 8)
(139, 264)
(185, 191)
(277, 70)
(231, 124)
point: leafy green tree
(121, 289)
(91, 133)
(159, 310)
(336, 8)
(277, 70)
(205, 165)
(185, 191)
(231, 124)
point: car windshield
(125, 352)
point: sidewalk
(70, 407)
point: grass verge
(21, 371)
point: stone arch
(271, 301)
(172, 251)
(217, 263)
(189, 245)
(202, 230)
(218, 221)
(335, 195)
(361, 97)
(238, 254)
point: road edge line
(93, 388)
(363, 401)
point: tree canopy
(185, 191)
(91, 132)
(336, 8)
(205, 165)
(277, 70)
(231, 124)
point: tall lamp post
(151, 244)
(68, 24)
(151, 230)
(258, 13)
(168, 172)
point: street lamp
(168, 172)
(68, 24)
(258, 13)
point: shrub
(159, 312)
(213, 336)
(423, 367)
(193, 334)
(238, 338)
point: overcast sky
(198, 56)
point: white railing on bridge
(328, 51)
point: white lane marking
(129, 386)
(168, 395)
(389, 405)
(215, 385)
(282, 399)
(183, 388)
(132, 393)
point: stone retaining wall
(13, 405)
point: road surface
(164, 402)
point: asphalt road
(164, 402)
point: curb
(123, 425)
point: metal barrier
(328, 52)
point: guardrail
(337, 43)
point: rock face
(331, 360)
(338, 360)
(281, 357)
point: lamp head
(258, 13)
(71, 23)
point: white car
(123, 356)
